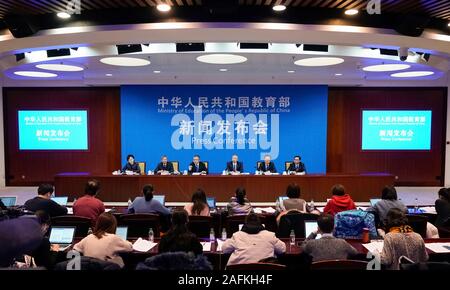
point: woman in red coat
(340, 201)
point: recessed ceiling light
(125, 61)
(386, 67)
(223, 69)
(338, 74)
(63, 15)
(163, 7)
(279, 8)
(412, 74)
(291, 71)
(219, 58)
(108, 75)
(156, 71)
(319, 61)
(35, 74)
(59, 67)
(351, 12)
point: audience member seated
(253, 243)
(294, 202)
(388, 200)
(103, 243)
(239, 204)
(179, 238)
(46, 255)
(442, 206)
(199, 205)
(43, 202)
(89, 205)
(401, 241)
(327, 247)
(340, 201)
(147, 204)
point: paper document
(260, 210)
(142, 245)
(375, 246)
(438, 247)
(206, 246)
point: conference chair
(418, 223)
(286, 165)
(206, 164)
(444, 232)
(256, 267)
(339, 265)
(139, 224)
(81, 224)
(142, 166)
(258, 163)
(201, 226)
(232, 223)
(176, 166)
(294, 221)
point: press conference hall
(198, 141)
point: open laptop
(122, 232)
(61, 200)
(281, 199)
(9, 200)
(211, 202)
(373, 201)
(62, 236)
(311, 226)
(160, 198)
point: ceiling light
(279, 8)
(163, 7)
(291, 71)
(35, 74)
(59, 67)
(222, 58)
(223, 69)
(63, 15)
(125, 61)
(319, 61)
(156, 71)
(412, 74)
(385, 67)
(351, 12)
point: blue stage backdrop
(216, 121)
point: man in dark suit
(234, 165)
(197, 166)
(267, 165)
(164, 166)
(131, 165)
(297, 166)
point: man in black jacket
(164, 166)
(297, 165)
(267, 165)
(234, 165)
(197, 166)
(43, 202)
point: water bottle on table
(292, 238)
(151, 235)
(212, 236)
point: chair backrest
(232, 223)
(176, 165)
(256, 267)
(139, 224)
(418, 223)
(286, 165)
(142, 167)
(81, 224)
(294, 221)
(206, 164)
(339, 265)
(444, 232)
(258, 164)
(200, 225)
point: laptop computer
(160, 198)
(211, 202)
(62, 236)
(61, 200)
(282, 198)
(122, 232)
(373, 201)
(9, 200)
(311, 226)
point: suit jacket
(301, 167)
(135, 167)
(201, 167)
(239, 166)
(168, 167)
(272, 168)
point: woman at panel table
(199, 205)
(131, 165)
(239, 204)
(253, 243)
(103, 243)
(147, 204)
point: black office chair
(294, 221)
(418, 223)
(81, 224)
(232, 223)
(139, 224)
(200, 225)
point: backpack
(350, 224)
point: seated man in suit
(267, 165)
(234, 165)
(297, 166)
(164, 167)
(131, 165)
(197, 166)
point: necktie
(267, 167)
(196, 167)
(234, 166)
(296, 166)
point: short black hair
(147, 190)
(240, 195)
(129, 156)
(45, 188)
(389, 193)
(92, 187)
(293, 190)
(444, 192)
(42, 217)
(325, 222)
(196, 155)
(298, 157)
(338, 189)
